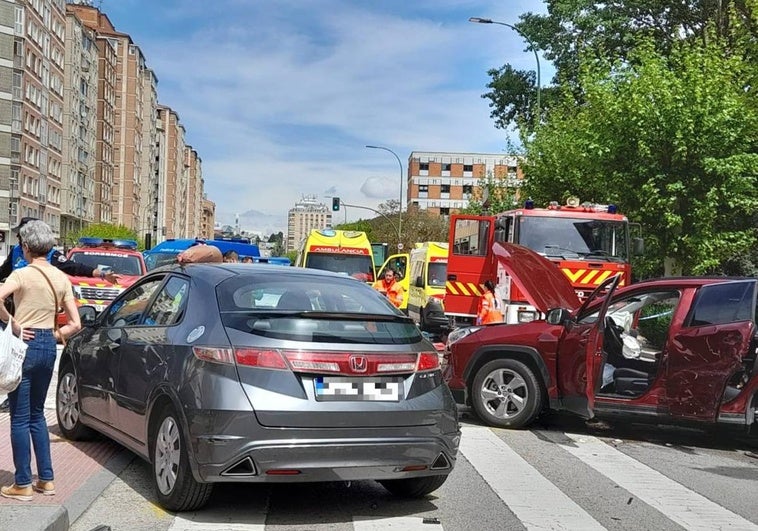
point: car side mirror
(419, 282)
(87, 315)
(638, 246)
(558, 316)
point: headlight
(526, 317)
(77, 292)
(460, 333)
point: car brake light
(428, 361)
(214, 354)
(264, 359)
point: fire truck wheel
(505, 393)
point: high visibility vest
(393, 291)
(488, 312)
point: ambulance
(342, 251)
(428, 272)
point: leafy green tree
(671, 139)
(575, 31)
(105, 231)
(492, 195)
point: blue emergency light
(105, 242)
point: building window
(445, 166)
(468, 189)
(468, 167)
(445, 189)
(445, 211)
(423, 166)
(423, 190)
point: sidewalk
(82, 471)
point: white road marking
(537, 502)
(678, 503)
(401, 523)
(218, 520)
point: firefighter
(488, 308)
(390, 287)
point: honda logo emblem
(358, 363)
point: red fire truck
(588, 242)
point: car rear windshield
(312, 309)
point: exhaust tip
(441, 463)
(245, 467)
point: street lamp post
(400, 206)
(479, 20)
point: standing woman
(35, 288)
(488, 312)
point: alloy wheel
(68, 401)
(504, 393)
(167, 454)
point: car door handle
(452, 277)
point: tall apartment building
(443, 183)
(134, 108)
(172, 188)
(31, 110)
(208, 219)
(194, 192)
(148, 200)
(77, 194)
(307, 214)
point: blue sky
(279, 97)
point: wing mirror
(638, 246)
(419, 282)
(558, 316)
(87, 314)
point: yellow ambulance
(428, 273)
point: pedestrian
(390, 287)
(16, 260)
(231, 257)
(38, 289)
(247, 260)
(488, 311)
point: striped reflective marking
(463, 288)
(675, 501)
(537, 502)
(588, 277)
(399, 523)
(222, 518)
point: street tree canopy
(672, 138)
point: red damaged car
(678, 350)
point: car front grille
(100, 294)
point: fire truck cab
(588, 242)
(119, 256)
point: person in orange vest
(488, 311)
(390, 287)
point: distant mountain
(255, 221)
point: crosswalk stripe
(534, 499)
(400, 523)
(678, 503)
(215, 520)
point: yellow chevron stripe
(573, 276)
(605, 274)
(476, 289)
(587, 279)
(462, 288)
(450, 287)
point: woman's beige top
(33, 298)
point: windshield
(357, 266)
(312, 309)
(569, 238)
(155, 260)
(121, 264)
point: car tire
(175, 486)
(515, 402)
(68, 408)
(413, 487)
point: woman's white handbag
(12, 354)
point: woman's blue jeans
(27, 408)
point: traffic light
(335, 203)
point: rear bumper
(330, 460)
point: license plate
(339, 388)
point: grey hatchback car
(258, 373)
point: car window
(342, 310)
(169, 304)
(727, 302)
(127, 310)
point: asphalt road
(560, 475)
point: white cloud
(280, 98)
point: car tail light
(214, 354)
(428, 361)
(264, 359)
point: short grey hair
(38, 237)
